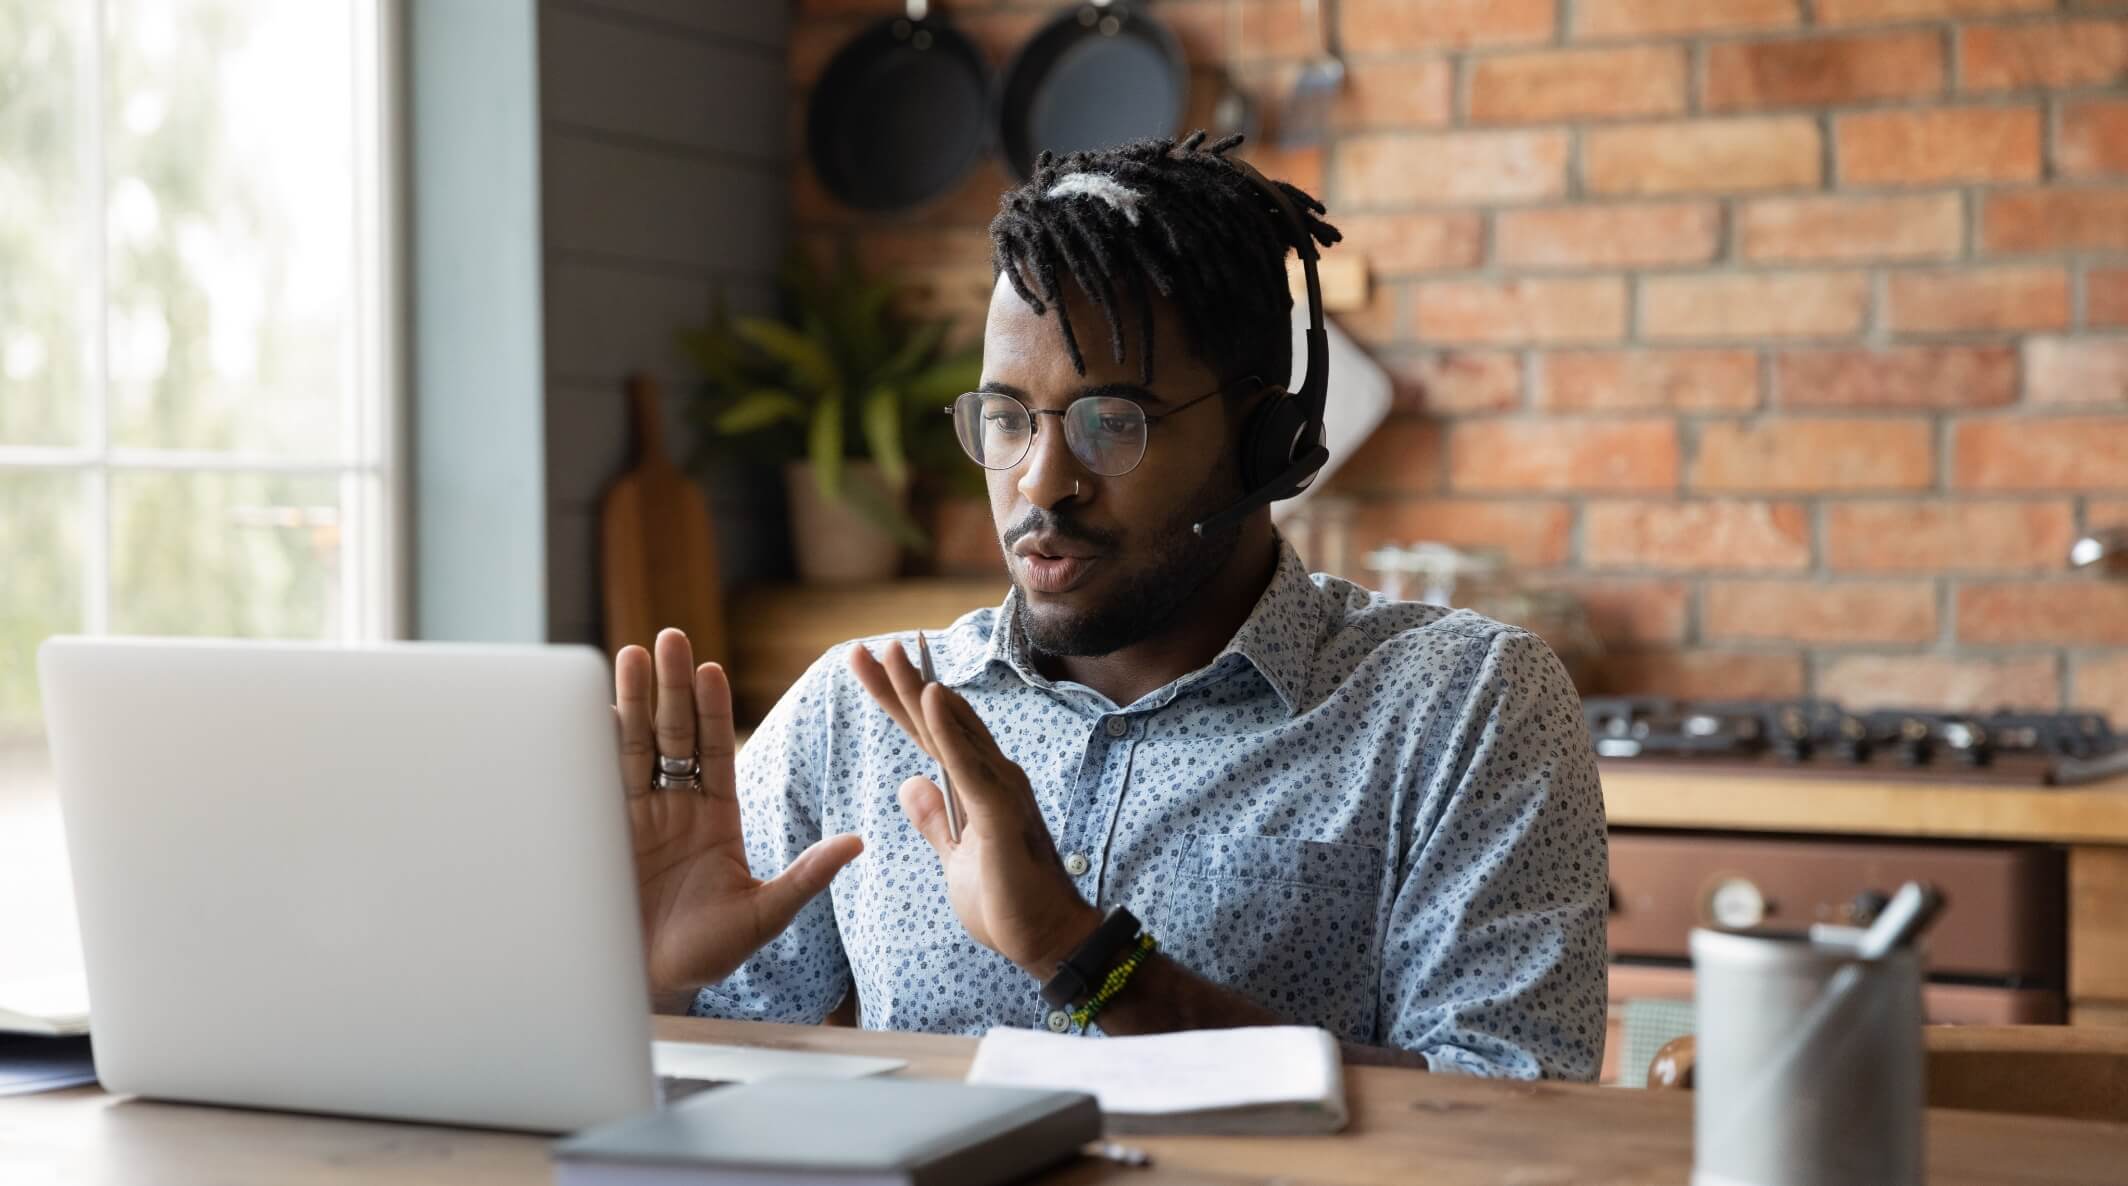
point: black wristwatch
(1082, 970)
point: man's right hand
(704, 912)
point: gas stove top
(1820, 737)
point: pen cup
(1805, 1074)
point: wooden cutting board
(657, 548)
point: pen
(1120, 1154)
(945, 782)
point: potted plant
(844, 391)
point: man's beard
(1179, 564)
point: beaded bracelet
(1112, 984)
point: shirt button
(1118, 726)
(1058, 1022)
(1076, 864)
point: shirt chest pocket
(1288, 923)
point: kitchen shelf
(777, 631)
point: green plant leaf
(824, 446)
(914, 352)
(759, 409)
(882, 432)
(944, 380)
(805, 356)
(715, 351)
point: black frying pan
(1097, 76)
(898, 116)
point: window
(197, 360)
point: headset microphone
(1282, 446)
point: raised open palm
(704, 912)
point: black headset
(1282, 444)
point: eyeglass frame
(1035, 424)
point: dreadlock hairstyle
(1158, 216)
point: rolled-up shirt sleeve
(801, 974)
(1495, 956)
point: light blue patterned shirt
(1378, 817)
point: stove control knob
(1736, 904)
(1916, 742)
(1854, 740)
(1864, 907)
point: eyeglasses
(1105, 432)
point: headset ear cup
(1272, 440)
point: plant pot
(964, 539)
(832, 543)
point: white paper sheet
(746, 1064)
(54, 1005)
(1282, 1079)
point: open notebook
(56, 1006)
(1267, 1080)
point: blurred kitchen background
(1791, 348)
(1766, 351)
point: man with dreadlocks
(1174, 781)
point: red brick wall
(1793, 333)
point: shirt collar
(1278, 639)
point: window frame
(371, 462)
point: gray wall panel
(663, 133)
(651, 209)
(762, 22)
(638, 83)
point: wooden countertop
(1636, 795)
(1407, 1127)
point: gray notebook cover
(858, 1130)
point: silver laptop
(391, 881)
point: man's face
(1103, 562)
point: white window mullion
(348, 626)
(96, 479)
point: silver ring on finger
(666, 781)
(684, 767)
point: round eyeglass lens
(1106, 434)
(993, 429)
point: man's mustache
(1057, 525)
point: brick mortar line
(1828, 151)
(1812, 31)
(1969, 203)
(1799, 578)
(1576, 533)
(1820, 567)
(1459, 84)
(1696, 79)
(1601, 271)
(1979, 189)
(2050, 113)
(1465, 60)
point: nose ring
(1075, 487)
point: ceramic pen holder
(1808, 1069)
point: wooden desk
(1634, 796)
(1407, 1127)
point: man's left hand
(1003, 877)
